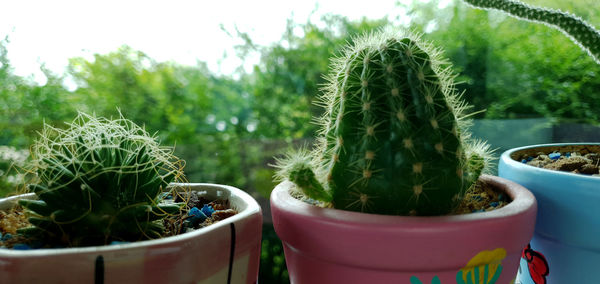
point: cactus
(394, 138)
(99, 181)
(582, 33)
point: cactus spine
(582, 33)
(393, 138)
(100, 180)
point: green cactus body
(391, 138)
(100, 180)
(578, 30)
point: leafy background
(228, 128)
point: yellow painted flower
(483, 268)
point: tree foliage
(513, 68)
(290, 73)
(24, 105)
(229, 127)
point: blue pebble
(21, 247)
(494, 204)
(568, 154)
(554, 156)
(524, 161)
(196, 215)
(118, 243)
(6, 237)
(529, 159)
(501, 197)
(195, 212)
(207, 210)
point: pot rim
(522, 201)
(247, 207)
(506, 157)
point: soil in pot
(202, 213)
(480, 198)
(580, 161)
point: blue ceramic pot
(566, 244)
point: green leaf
(38, 206)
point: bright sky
(178, 30)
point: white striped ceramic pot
(225, 252)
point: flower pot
(324, 245)
(568, 222)
(225, 252)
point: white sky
(178, 30)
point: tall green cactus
(100, 180)
(582, 33)
(393, 138)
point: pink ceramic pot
(334, 246)
(225, 252)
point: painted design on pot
(483, 268)
(416, 280)
(533, 268)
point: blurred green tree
(287, 79)
(204, 115)
(512, 68)
(25, 105)
(228, 128)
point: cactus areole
(393, 138)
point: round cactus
(393, 137)
(99, 181)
